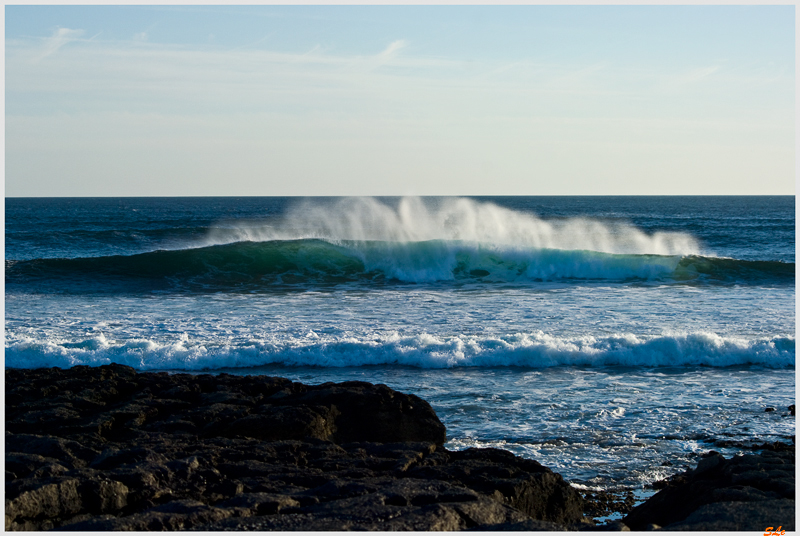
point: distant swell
(260, 265)
(532, 350)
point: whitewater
(599, 335)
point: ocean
(613, 339)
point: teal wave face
(214, 267)
(264, 265)
(438, 260)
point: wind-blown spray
(466, 220)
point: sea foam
(529, 350)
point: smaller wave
(530, 350)
(72, 243)
(735, 270)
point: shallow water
(607, 428)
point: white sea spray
(452, 219)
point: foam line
(530, 350)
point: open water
(601, 336)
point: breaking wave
(363, 240)
(413, 219)
(262, 265)
(531, 350)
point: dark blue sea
(601, 336)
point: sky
(399, 100)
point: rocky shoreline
(107, 448)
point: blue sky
(399, 100)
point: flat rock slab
(107, 448)
(115, 403)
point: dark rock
(22, 465)
(709, 461)
(528, 525)
(259, 504)
(368, 512)
(610, 526)
(52, 500)
(699, 497)
(112, 457)
(69, 453)
(523, 484)
(605, 503)
(616, 526)
(374, 413)
(100, 495)
(739, 516)
(175, 515)
(107, 448)
(750, 445)
(282, 422)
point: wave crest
(414, 219)
(530, 350)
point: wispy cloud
(392, 49)
(695, 75)
(173, 68)
(146, 76)
(387, 56)
(144, 35)
(60, 37)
